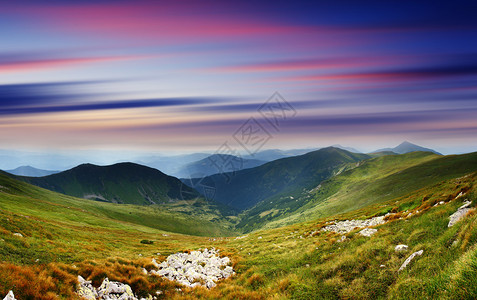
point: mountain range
(285, 241)
(125, 183)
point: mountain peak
(406, 147)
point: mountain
(30, 171)
(119, 183)
(374, 180)
(47, 239)
(170, 165)
(350, 149)
(406, 147)
(244, 189)
(216, 163)
(274, 154)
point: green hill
(244, 189)
(125, 183)
(373, 181)
(48, 239)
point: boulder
(9, 296)
(459, 214)
(85, 289)
(368, 231)
(400, 248)
(408, 260)
(195, 268)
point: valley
(277, 245)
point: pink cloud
(43, 64)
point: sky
(190, 76)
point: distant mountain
(120, 183)
(244, 189)
(30, 171)
(171, 165)
(350, 149)
(274, 154)
(406, 147)
(217, 163)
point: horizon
(149, 77)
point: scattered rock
(18, 234)
(368, 231)
(461, 212)
(408, 260)
(199, 268)
(259, 237)
(109, 290)
(347, 226)
(400, 248)
(382, 266)
(9, 296)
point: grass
(64, 237)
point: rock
(441, 202)
(144, 271)
(408, 260)
(259, 237)
(382, 266)
(347, 226)
(18, 234)
(459, 214)
(400, 248)
(109, 290)
(9, 296)
(368, 231)
(86, 289)
(115, 290)
(197, 268)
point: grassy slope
(281, 263)
(376, 180)
(120, 183)
(246, 188)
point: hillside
(125, 183)
(373, 181)
(216, 163)
(244, 189)
(48, 239)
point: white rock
(368, 231)
(408, 260)
(400, 248)
(18, 234)
(459, 214)
(190, 268)
(9, 296)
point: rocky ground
(197, 268)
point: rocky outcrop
(408, 260)
(399, 248)
(368, 232)
(199, 268)
(9, 296)
(459, 214)
(347, 226)
(109, 290)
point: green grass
(64, 236)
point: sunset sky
(186, 76)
